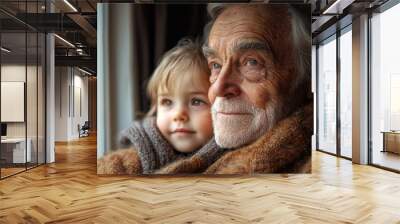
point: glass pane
(346, 94)
(327, 96)
(386, 89)
(31, 101)
(41, 99)
(13, 88)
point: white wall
(10, 73)
(15, 72)
(71, 94)
(81, 84)
(33, 126)
(61, 103)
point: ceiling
(76, 22)
(73, 20)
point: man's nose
(181, 114)
(227, 84)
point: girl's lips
(233, 113)
(182, 130)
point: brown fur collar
(284, 149)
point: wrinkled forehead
(260, 23)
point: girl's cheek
(206, 121)
(162, 122)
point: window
(346, 92)
(327, 95)
(22, 78)
(385, 88)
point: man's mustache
(234, 105)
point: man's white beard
(232, 131)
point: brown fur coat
(284, 149)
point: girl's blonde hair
(168, 75)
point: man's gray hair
(301, 37)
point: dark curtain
(158, 28)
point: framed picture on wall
(225, 89)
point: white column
(50, 99)
(360, 90)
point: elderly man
(259, 58)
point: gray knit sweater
(155, 152)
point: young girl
(178, 124)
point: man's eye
(215, 66)
(251, 62)
(166, 102)
(198, 102)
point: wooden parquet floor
(9, 171)
(69, 191)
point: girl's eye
(198, 102)
(166, 102)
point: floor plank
(69, 191)
(386, 159)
